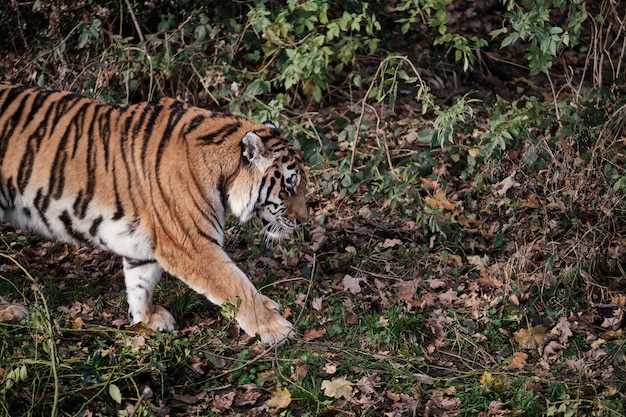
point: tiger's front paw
(160, 319)
(264, 319)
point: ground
(479, 276)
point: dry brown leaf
(406, 289)
(479, 337)
(313, 334)
(316, 303)
(281, 398)
(532, 202)
(440, 202)
(11, 313)
(352, 284)
(393, 396)
(78, 323)
(506, 184)
(318, 238)
(197, 365)
(299, 373)
(248, 397)
(390, 243)
(619, 300)
(193, 398)
(137, 340)
(436, 283)
(429, 184)
(337, 388)
(366, 386)
(562, 330)
(615, 322)
(479, 262)
(449, 297)
(518, 361)
(330, 368)
(497, 408)
(486, 281)
(552, 351)
(531, 338)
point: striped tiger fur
(150, 182)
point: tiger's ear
(254, 150)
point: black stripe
(95, 225)
(41, 203)
(147, 131)
(134, 263)
(220, 135)
(66, 219)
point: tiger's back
(150, 182)
(47, 184)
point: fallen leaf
(78, 323)
(281, 398)
(193, 398)
(518, 361)
(440, 202)
(352, 284)
(366, 386)
(486, 379)
(115, 393)
(406, 289)
(480, 262)
(393, 396)
(619, 300)
(248, 397)
(449, 297)
(552, 351)
(299, 373)
(531, 338)
(318, 238)
(197, 365)
(313, 334)
(429, 184)
(390, 243)
(316, 303)
(615, 322)
(562, 330)
(222, 402)
(479, 337)
(337, 388)
(330, 368)
(497, 408)
(506, 184)
(532, 202)
(436, 283)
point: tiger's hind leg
(10, 312)
(141, 277)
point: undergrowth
(466, 249)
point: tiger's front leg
(141, 277)
(213, 274)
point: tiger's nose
(297, 210)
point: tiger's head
(272, 183)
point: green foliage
(530, 22)
(433, 10)
(308, 48)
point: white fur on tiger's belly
(118, 236)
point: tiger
(151, 182)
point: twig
(379, 70)
(135, 22)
